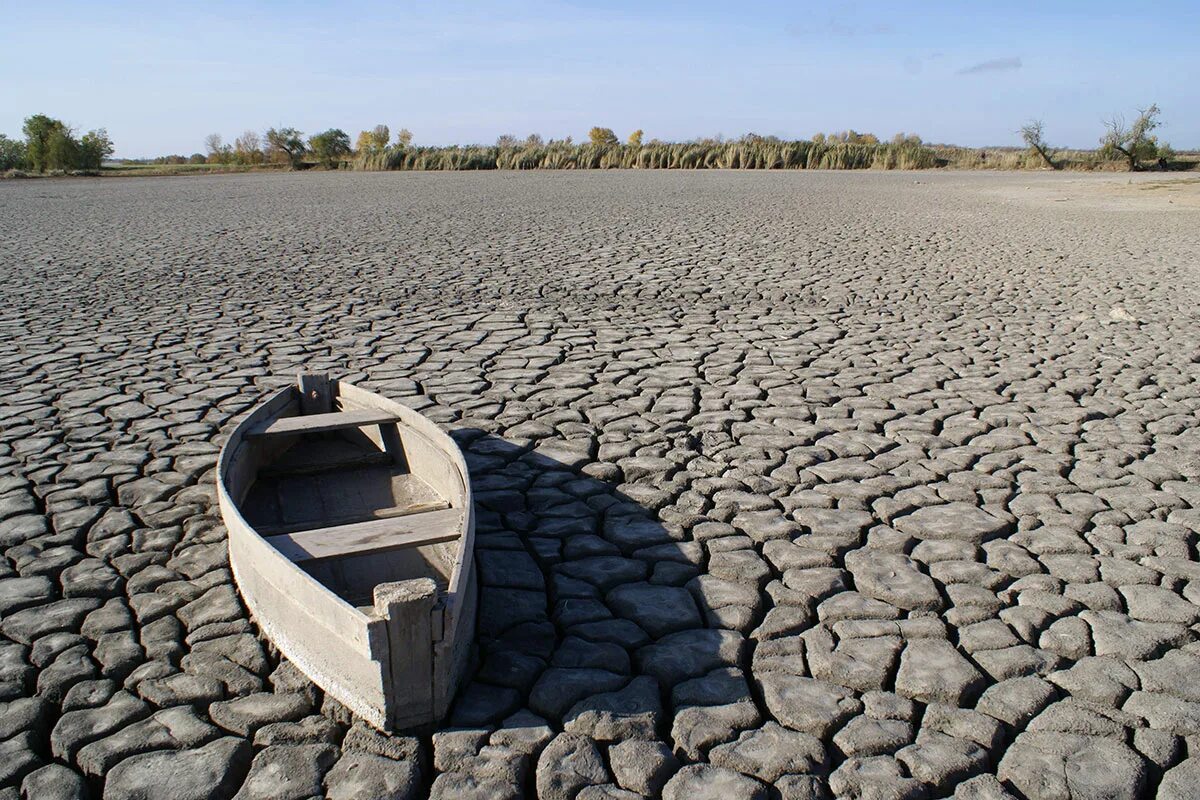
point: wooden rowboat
(350, 537)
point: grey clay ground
(790, 485)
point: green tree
(46, 142)
(94, 148)
(1134, 142)
(380, 135)
(62, 150)
(330, 147)
(603, 137)
(635, 138)
(364, 145)
(12, 153)
(373, 142)
(1166, 154)
(287, 143)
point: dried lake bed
(790, 485)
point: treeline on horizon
(50, 144)
(1133, 146)
(376, 149)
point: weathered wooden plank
(366, 516)
(316, 466)
(348, 494)
(315, 423)
(414, 530)
(300, 500)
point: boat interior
(354, 498)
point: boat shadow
(589, 616)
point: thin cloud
(843, 26)
(995, 65)
(849, 29)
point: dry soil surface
(789, 485)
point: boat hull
(396, 664)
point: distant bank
(51, 148)
(790, 156)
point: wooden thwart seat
(365, 516)
(415, 530)
(316, 423)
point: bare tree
(218, 151)
(403, 138)
(507, 141)
(247, 148)
(1134, 143)
(1032, 133)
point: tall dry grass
(738, 154)
(745, 153)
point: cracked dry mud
(789, 485)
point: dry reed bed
(738, 154)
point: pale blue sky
(160, 76)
